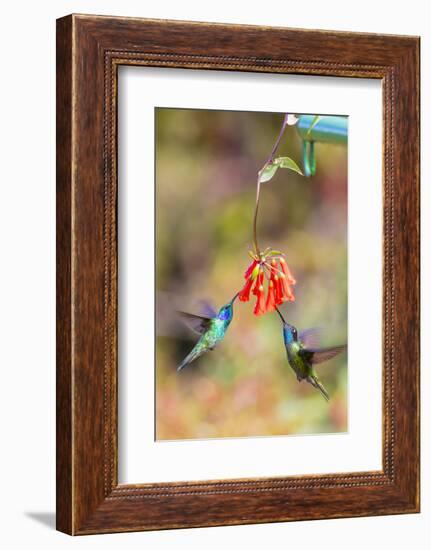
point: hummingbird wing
(310, 337)
(197, 323)
(320, 355)
(207, 309)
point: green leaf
(281, 162)
(313, 124)
(269, 171)
(287, 162)
(275, 253)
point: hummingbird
(212, 329)
(302, 354)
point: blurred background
(206, 170)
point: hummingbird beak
(281, 316)
(234, 298)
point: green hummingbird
(212, 329)
(302, 354)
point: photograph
(251, 274)
(237, 272)
(213, 231)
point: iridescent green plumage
(211, 329)
(301, 357)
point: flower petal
(270, 300)
(259, 308)
(250, 269)
(259, 282)
(286, 271)
(244, 294)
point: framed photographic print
(237, 274)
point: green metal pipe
(329, 129)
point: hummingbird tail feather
(314, 381)
(189, 359)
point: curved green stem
(256, 209)
(269, 160)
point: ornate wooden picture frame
(89, 51)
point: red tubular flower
(286, 271)
(274, 266)
(250, 269)
(250, 276)
(286, 288)
(259, 283)
(270, 300)
(244, 294)
(259, 308)
(279, 291)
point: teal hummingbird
(303, 355)
(212, 329)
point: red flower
(279, 291)
(286, 288)
(244, 294)
(251, 274)
(259, 308)
(250, 269)
(270, 300)
(259, 282)
(286, 271)
(283, 282)
(279, 285)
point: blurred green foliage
(206, 169)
